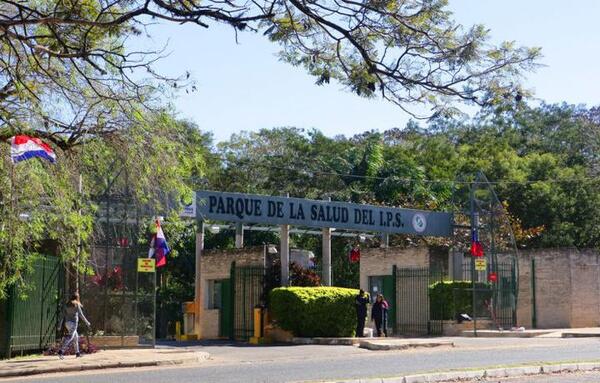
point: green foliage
(447, 299)
(545, 159)
(41, 207)
(314, 311)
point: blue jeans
(71, 336)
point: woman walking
(379, 314)
(72, 313)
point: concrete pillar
(239, 235)
(327, 276)
(385, 240)
(284, 247)
(197, 287)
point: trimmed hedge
(314, 311)
(449, 298)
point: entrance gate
(226, 306)
(386, 285)
(247, 292)
(415, 316)
(427, 297)
(505, 295)
(31, 322)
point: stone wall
(585, 289)
(567, 283)
(567, 288)
(380, 261)
(215, 265)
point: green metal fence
(33, 311)
(414, 316)
(505, 295)
(120, 301)
(248, 291)
(495, 300)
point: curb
(504, 334)
(200, 356)
(326, 341)
(579, 335)
(369, 345)
(496, 373)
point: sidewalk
(102, 359)
(387, 344)
(589, 332)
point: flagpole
(12, 211)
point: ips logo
(419, 222)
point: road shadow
(217, 343)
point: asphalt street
(235, 363)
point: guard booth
(231, 285)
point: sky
(243, 86)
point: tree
(39, 207)
(66, 72)
(42, 209)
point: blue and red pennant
(476, 246)
(158, 247)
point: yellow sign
(146, 265)
(480, 264)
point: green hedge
(449, 298)
(314, 311)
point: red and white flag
(25, 147)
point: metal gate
(247, 291)
(226, 307)
(33, 313)
(505, 295)
(414, 315)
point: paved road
(233, 363)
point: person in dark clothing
(361, 312)
(379, 314)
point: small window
(214, 295)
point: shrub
(299, 276)
(449, 298)
(315, 311)
(84, 348)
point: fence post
(284, 249)
(473, 300)
(474, 228)
(232, 295)
(395, 301)
(533, 308)
(198, 288)
(10, 308)
(326, 257)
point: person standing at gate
(379, 315)
(72, 313)
(361, 312)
